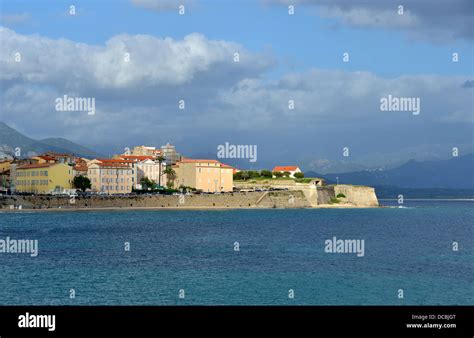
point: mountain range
(455, 173)
(11, 139)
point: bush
(266, 173)
(241, 175)
(299, 175)
(277, 174)
(333, 200)
(81, 182)
(253, 174)
(286, 173)
(341, 196)
(303, 180)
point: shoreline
(188, 208)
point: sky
(139, 58)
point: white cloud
(153, 61)
(441, 20)
(137, 102)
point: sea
(418, 253)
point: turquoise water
(405, 248)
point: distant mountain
(11, 139)
(455, 173)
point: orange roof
(226, 166)
(32, 166)
(190, 160)
(46, 158)
(80, 167)
(136, 157)
(112, 165)
(114, 160)
(285, 168)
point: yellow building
(5, 166)
(43, 159)
(44, 178)
(205, 175)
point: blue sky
(412, 53)
(299, 42)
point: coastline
(285, 199)
(186, 208)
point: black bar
(356, 320)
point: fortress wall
(296, 197)
(324, 194)
(358, 195)
(233, 200)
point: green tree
(245, 175)
(238, 176)
(170, 177)
(286, 173)
(253, 174)
(299, 175)
(147, 183)
(277, 174)
(82, 182)
(160, 160)
(266, 173)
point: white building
(151, 169)
(292, 169)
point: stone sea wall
(276, 199)
(357, 195)
(295, 197)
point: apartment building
(110, 177)
(204, 175)
(45, 178)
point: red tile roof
(114, 160)
(33, 166)
(136, 157)
(80, 167)
(112, 165)
(47, 158)
(285, 168)
(190, 160)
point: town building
(5, 169)
(130, 163)
(168, 151)
(146, 151)
(204, 175)
(45, 178)
(292, 169)
(80, 167)
(41, 159)
(110, 177)
(147, 166)
(59, 157)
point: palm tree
(160, 160)
(170, 176)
